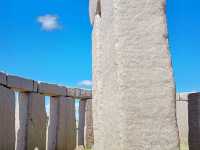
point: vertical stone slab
(81, 125)
(182, 120)
(194, 121)
(7, 119)
(22, 121)
(97, 93)
(89, 124)
(137, 102)
(66, 136)
(53, 123)
(37, 122)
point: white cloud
(87, 83)
(49, 22)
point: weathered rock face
(134, 92)
(81, 125)
(182, 119)
(37, 122)
(66, 136)
(89, 124)
(7, 119)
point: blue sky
(50, 40)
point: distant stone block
(182, 121)
(71, 92)
(53, 123)
(89, 135)
(86, 94)
(81, 123)
(37, 122)
(7, 119)
(51, 89)
(193, 121)
(79, 93)
(66, 135)
(2, 78)
(19, 83)
(22, 109)
(183, 96)
(35, 86)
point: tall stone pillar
(182, 119)
(66, 130)
(32, 122)
(62, 124)
(194, 121)
(81, 123)
(89, 134)
(53, 123)
(85, 127)
(134, 91)
(7, 119)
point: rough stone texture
(81, 125)
(194, 121)
(98, 100)
(37, 122)
(2, 78)
(79, 93)
(22, 109)
(89, 124)
(53, 123)
(71, 92)
(66, 136)
(51, 89)
(7, 119)
(182, 119)
(137, 103)
(20, 83)
(86, 94)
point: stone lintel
(2, 78)
(35, 86)
(28, 85)
(184, 96)
(51, 89)
(79, 93)
(19, 83)
(86, 94)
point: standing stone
(97, 93)
(81, 125)
(182, 119)
(7, 119)
(37, 122)
(66, 136)
(22, 110)
(136, 107)
(89, 124)
(194, 121)
(53, 123)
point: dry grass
(184, 147)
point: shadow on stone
(194, 121)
